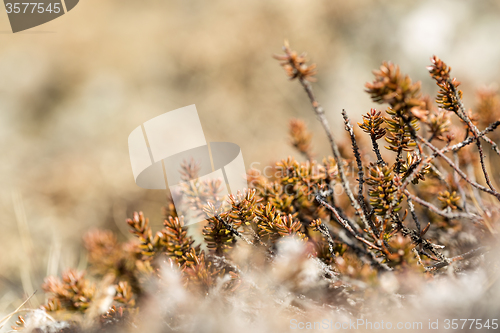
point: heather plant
(417, 201)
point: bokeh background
(73, 89)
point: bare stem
(431, 207)
(320, 113)
(232, 229)
(380, 160)
(413, 213)
(457, 169)
(419, 240)
(463, 115)
(464, 256)
(470, 139)
(324, 231)
(359, 164)
(344, 223)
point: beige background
(73, 89)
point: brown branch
(376, 150)
(422, 164)
(413, 213)
(324, 231)
(471, 254)
(232, 230)
(359, 164)
(459, 186)
(345, 224)
(360, 251)
(470, 139)
(320, 113)
(466, 119)
(419, 240)
(463, 115)
(457, 169)
(441, 212)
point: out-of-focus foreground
(72, 90)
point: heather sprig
(383, 187)
(307, 221)
(175, 240)
(300, 138)
(73, 292)
(372, 125)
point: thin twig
(399, 160)
(457, 169)
(463, 115)
(493, 126)
(345, 224)
(324, 231)
(440, 153)
(320, 113)
(380, 160)
(438, 173)
(415, 236)
(413, 214)
(360, 251)
(232, 229)
(464, 256)
(476, 195)
(443, 213)
(460, 187)
(419, 240)
(444, 150)
(419, 259)
(361, 174)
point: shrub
(292, 240)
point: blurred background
(73, 89)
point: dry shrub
(416, 241)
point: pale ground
(73, 89)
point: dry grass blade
(7, 317)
